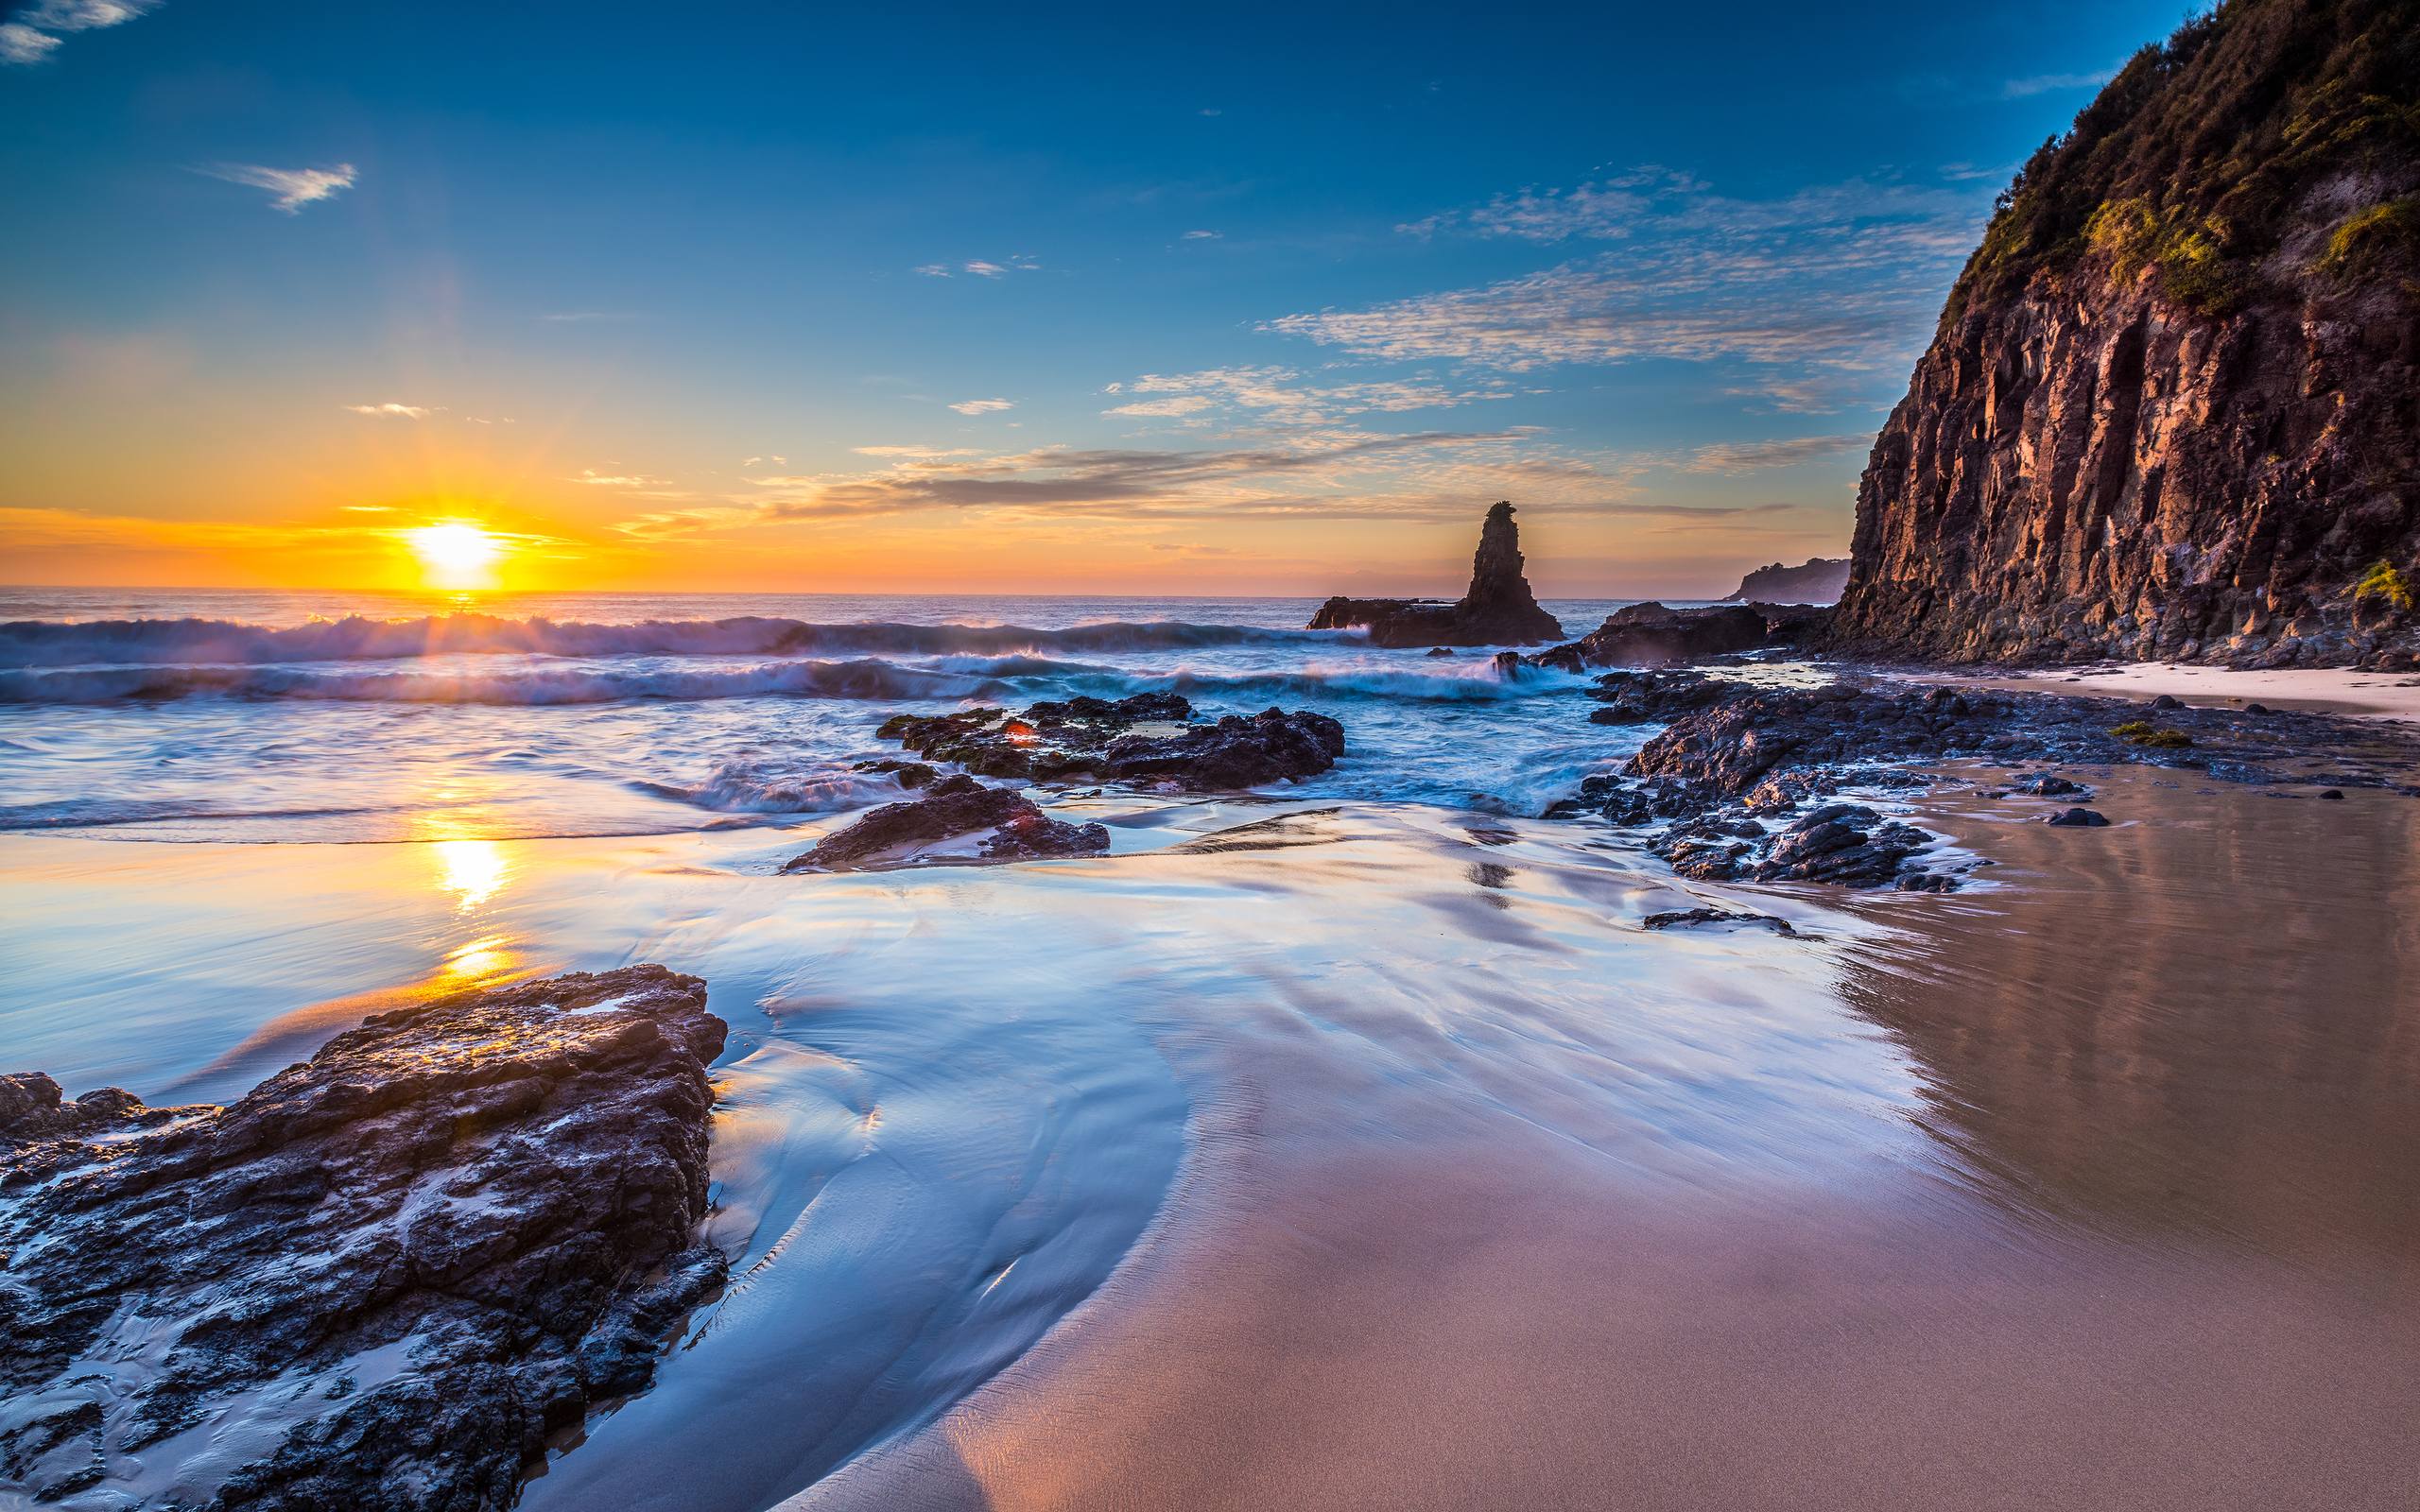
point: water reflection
(472, 871)
(2200, 1024)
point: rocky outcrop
(1651, 635)
(1015, 829)
(2172, 409)
(1817, 580)
(1498, 609)
(382, 1278)
(1149, 738)
(1745, 779)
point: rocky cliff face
(1817, 580)
(1499, 610)
(2172, 409)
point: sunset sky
(875, 298)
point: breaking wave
(863, 678)
(26, 643)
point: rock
(1441, 650)
(1646, 635)
(2050, 785)
(954, 805)
(1696, 917)
(1498, 609)
(908, 775)
(2166, 410)
(1819, 581)
(1095, 740)
(2166, 700)
(379, 1280)
(2079, 818)
(2332, 795)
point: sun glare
(455, 555)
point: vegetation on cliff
(2192, 160)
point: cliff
(2172, 407)
(1499, 608)
(1818, 581)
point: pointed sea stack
(1499, 608)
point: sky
(1007, 299)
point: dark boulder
(384, 1278)
(954, 805)
(2079, 818)
(1148, 738)
(1498, 609)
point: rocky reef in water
(1651, 635)
(1153, 738)
(2173, 408)
(1499, 608)
(382, 1278)
(1014, 827)
(1749, 782)
(1817, 580)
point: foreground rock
(1150, 738)
(380, 1279)
(1499, 608)
(1744, 778)
(1651, 635)
(1015, 827)
(2167, 409)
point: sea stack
(1498, 609)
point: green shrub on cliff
(2371, 237)
(2382, 584)
(2194, 157)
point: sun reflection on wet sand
(472, 871)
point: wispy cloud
(1202, 235)
(1753, 456)
(1837, 283)
(616, 480)
(981, 406)
(908, 451)
(32, 35)
(1284, 396)
(755, 462)
(2019, 89)
(290, 188)
(981, 267)
(392, 411)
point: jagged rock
(2168, 410)
(1818, 581)
(1696, 917)
(382, 1277)
(2079, 818)
(1646, 635)
(2050, 785)
(1499, 608)
(910, 775)
(954, 805)
(1095, 740)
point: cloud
(609, 480)
(2019, 89)
(986, 269)
(908, 451)
(1837, 283)
(1752, 456)
(1281, 395)
(934, 269)
(32, 35)
(1202, 235)
(981, 406)
(291, 188)
(396, 411)
(982, 267)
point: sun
(456, 554)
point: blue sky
(775, 296)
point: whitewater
(275, 717)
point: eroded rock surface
(1150, 738)
(954, 806)
(1498, 609)
(377, 1281)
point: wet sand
(2146, 1236)
(2315, 690)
